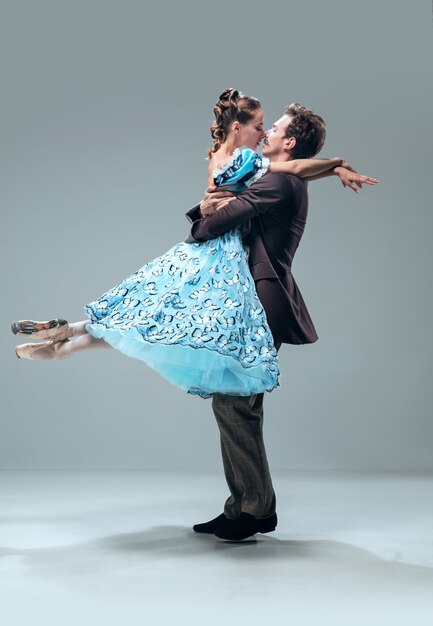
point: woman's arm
(349, 178)
(210, 173)
(306, 168)
(313, 169)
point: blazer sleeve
(194, 214)
(268, 192)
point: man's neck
(278, 158)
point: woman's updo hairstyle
(232, 106)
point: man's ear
(289, 144)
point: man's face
(251, 133)
(275, 141)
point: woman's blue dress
(193, 313)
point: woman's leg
(54, 329)
(79, 328)
(80, 340)
(86, 342)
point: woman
(193, 314)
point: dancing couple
(212, 312)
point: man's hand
(214, 200)
(352, 179)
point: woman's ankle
(79, 328)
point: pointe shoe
(48, 350)
(55, 330)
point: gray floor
(117, 547)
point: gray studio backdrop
(106, 108)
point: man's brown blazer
(275, 208)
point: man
(276, 208)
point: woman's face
(251, 133)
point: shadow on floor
(173, 566)
(179, 542)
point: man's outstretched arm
(268, 192)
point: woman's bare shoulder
(219, 159)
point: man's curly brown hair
(308, 130)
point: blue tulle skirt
(194, 316)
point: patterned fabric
(244, 168)
(193, 313)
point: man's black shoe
(210, 527)
(245, 526)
